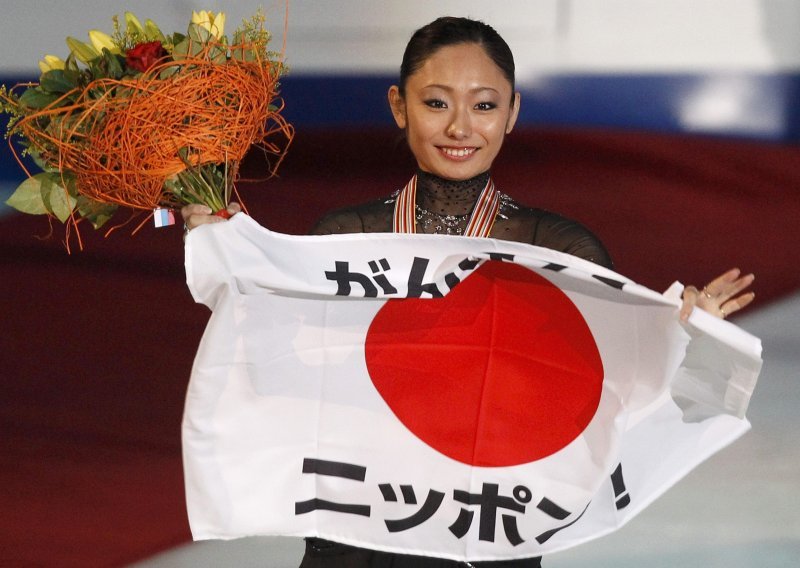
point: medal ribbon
(480, 222)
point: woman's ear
(398, 105)
(512, 117)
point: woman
(456, 102)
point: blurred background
(670, 128)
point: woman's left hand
(721, 297)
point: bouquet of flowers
(145, 120)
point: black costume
(444, 206)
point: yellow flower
(132, 24)
(50, 62)
(152, 32)
(214, 24)
(100, 40)
(83, 51)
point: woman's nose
(460, 126)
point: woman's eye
(435, 103)
(485, 106)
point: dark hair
(447, 31)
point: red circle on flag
(502, 371)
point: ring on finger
(722, 311)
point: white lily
(214, 24)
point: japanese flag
(465, 398)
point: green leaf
(36, 99)
(71, 63)
(113, 64)
(97, 68)
(181, 49)
(218, 55)
(122, 93)
(27, 198)
(59, 81)
(199, 34)
(107, 65)
(186, 48)
(95, 212)
(168, 72)
(56, 198)
(36, 156)
(250, 55)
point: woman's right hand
(196, 215)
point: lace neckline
(452, 198)
(460, 197)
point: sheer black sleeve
(561, 234)
(372, 217)
(542, 228)
(339, 222)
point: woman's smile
(458, 154)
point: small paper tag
(163, 217)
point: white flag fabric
(465, 398)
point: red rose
(144, 56)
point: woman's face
(456, 111)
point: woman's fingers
(195, 209)
(690, 295)
(195, 215)
(724, 279)
(736, 304)
(727, 286)
(721, 297)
